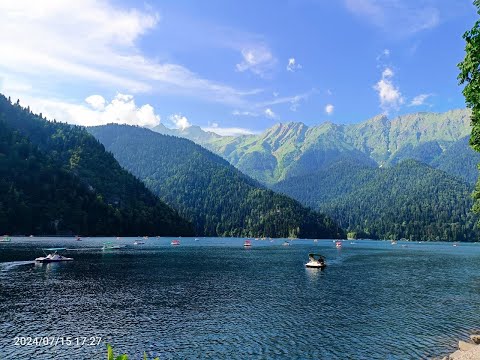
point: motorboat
(316, 240)
(78, 238)
(109, 246)
(394, 242)
(286, 243)
(247, 243)
(53, 256)
(5, 239)
(175, 242)
(338, 244)
(316, 261)
(139, 242)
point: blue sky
(232, 66)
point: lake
(212, 298)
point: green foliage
(57, 179)
(470, 76)
(111, 356)
(204, 188)
(410, 200)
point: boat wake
(7, 266)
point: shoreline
(466, 350)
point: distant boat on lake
(138, 242)
(338, 244)
(286, 243)
(109, 246)
(5, 239)
(175, 242)
(247, 243)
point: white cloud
(390, 96)
(408, 18)
(293, 65)
(228, 131)
(244, 113)
(419, 99)
(97, 102)
(180, 121)
(329, 109)
(94, 43)
(121, 110)
(258, 59)
(269, 113)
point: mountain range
(207, 190)
(366, 176)
(293, 149)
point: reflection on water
(212, 298)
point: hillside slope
(410, 200)
(216, 197)
(58, 179)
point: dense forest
(206, 189)
(410, 200)
(58, 179)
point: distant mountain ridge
(206, 189)
(294, 149)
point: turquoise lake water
(212, 298)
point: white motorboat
(286, 243)
(139, 242)
(109, 246)
(316, 261)
(5, 239)
(53, 256)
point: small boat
(175, 242)
(316, 240)
(316, 261)
(338, 244)
(247, 243)
(109, 246)
(5, 239)
(352, 242)
(197, 239)
(139, 242)
(286, 243)
(394, 242)
(78, 238)
(53, 256)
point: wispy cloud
(292, 65)
(420, 100)
(395, 16)
(97, 47)
(390, 96)
(257, 59)
(228, 131)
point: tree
(470, 76)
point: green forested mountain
(460, 160)
(216, 197)
(293, 149)
(409, 200)
(58, 179)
